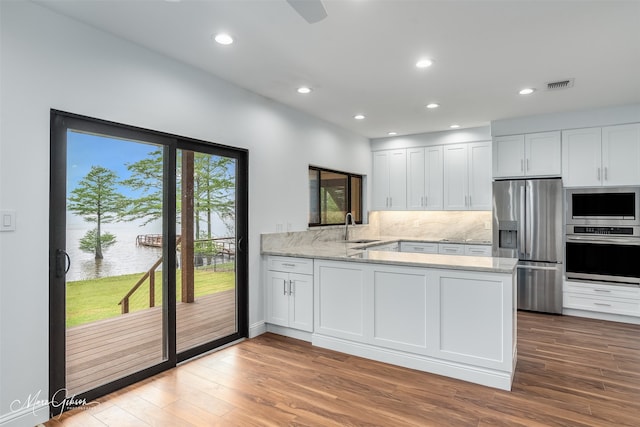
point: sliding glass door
(147, 260)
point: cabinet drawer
(605, 291)
(450, 249)
(424, 248)
(477, 250)
(292, 265)
(628, 307)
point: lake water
(124, 257)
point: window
(332, 194)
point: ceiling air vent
(560, 84)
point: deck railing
(222, 246)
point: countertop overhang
(356, 252)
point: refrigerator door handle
(522, 226)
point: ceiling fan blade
(311, 10)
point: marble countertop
(356, 252)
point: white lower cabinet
(290, 292)
(477, 250)
(600, 298)
(419, 247)
(450, 322)
(450, 249)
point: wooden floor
(570, 372)
(103, 351)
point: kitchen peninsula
(451, 315)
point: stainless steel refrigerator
(527, 224)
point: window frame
(349, 192)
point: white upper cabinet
(608, 156)
(621, 155)
(467, 176)
(535, 154)
(424, 178)
(389, 180)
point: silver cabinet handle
(521, 165)
(469, 200)
(292, 284)
(602, 290)
(426, 201)
(598, 174)
(602, 304)
(528, 164)
(605, 174)
(284, 287)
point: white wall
(49, 61)
(457, 136)
(605, 116)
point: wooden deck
(104, 351)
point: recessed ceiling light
(424, 63)
(454, 126)
(433, 105)
(223, 38)
(359, 117)
(527, 91)
(392, 133)
(304, 89)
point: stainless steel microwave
(601, 206)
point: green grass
(97, 299)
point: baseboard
(257, 328)
(27, 416)
(601, 316)
(288, 332)
(478, 375)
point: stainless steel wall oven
(603, 235)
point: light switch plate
(7, 220)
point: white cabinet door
(398, 180)
(301, 302)
(543, 154)
(389, 180)
(621, 155)
(424, 178)
(582, 157)
(380, 185)
(277, 298)
(339, 300)
(456, 177)
(416, 178)
(399, 308)
(480, 189)
(433, 175)
(508, 156)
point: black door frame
(62, 121)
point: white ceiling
(360, 59)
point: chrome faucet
(346, 225)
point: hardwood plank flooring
(570, 372)
(104, 351)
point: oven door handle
(535, 267)
(598, 239)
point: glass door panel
(206, 288)
(114, 244)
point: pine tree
(96, 200)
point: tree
(96, 200)
(214, 190)
(146, 179)
(88, 241)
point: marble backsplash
(433, 225)
(421, 225)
